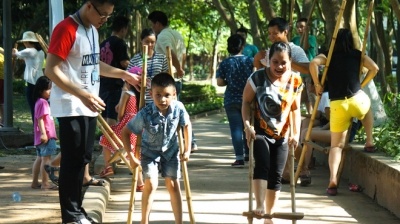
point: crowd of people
(83, 76)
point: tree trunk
(213, 67)
(188, 54)
(307, 5)
(387, 68)
(253, 22)
(191, 65)
(397, 40)
(380, 57)
(330, 9)
(349, 21)
(284, 10)
(229, 19)
(266, 8)
(396, 8)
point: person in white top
(73, 64)
(33, 56)
(167, 37)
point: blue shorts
(170, 168)
(46, 149)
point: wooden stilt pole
(292, 182)
(186, 178)
(103, 128)
(181, 151)
(42, 43)
(139, 137)
(251, 167)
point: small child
(127, 109)
(44, 133)
(157, 123)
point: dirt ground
(37, 204)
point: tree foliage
(206, 24)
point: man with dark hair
(167, 37)
(114, 51)
(249, 50)
(73, 65)
(278, 29)
(309, 44)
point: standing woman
(156, 62)
(233, 73)
(347, 100)
(276, 91)
(33, 56)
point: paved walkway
(219, 192)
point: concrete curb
(95, 201)
(377, 173)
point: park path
(219, 192)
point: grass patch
(21, 114)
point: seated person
(319, 133)
(321, 120)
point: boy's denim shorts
(46, 149)
(169, 168)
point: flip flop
(37, 186)
(332, 191)
(370, 149)
(140, 188)
(50, 188)
(50, 171)
(94, 182)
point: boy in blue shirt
(157, 122)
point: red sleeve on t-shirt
(63, 38)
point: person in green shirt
(310, 48)
(249, 49)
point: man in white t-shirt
(74, 66)
(167, 37)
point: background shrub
(19, 86)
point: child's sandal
(108, 171)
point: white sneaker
(85, 221)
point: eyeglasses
(101, 15)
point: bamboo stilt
(42, 43)
(139, 137)
(111, 140)
(251, 167)
(292, 182)
(181, 151)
